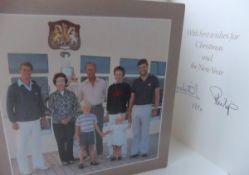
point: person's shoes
(120, 158)
(70, 162)
(81, 166)
(134, 156)
(112, 158)
(101, 156)
(94, 163)
(44, 167)
(144, 155)
(64, 163)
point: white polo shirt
(94, 94)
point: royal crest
(64, 35)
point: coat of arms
(64, 35)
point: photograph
(88, 93)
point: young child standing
(118, 136)
(85, 132)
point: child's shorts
(87, 138)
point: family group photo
(78, 116)
(83, 95)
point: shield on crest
(64, 35)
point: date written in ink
(197, 107)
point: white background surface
(184, 161)
(223, 139)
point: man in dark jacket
(26, 113)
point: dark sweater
(24, 105)
(144, 90)
(118, 97)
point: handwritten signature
(188, 89)
(223, 102)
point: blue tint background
(102, 63)
(39, 62)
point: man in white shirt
(93, 90)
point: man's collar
(146, 77)
(20, 83)
(88, 81)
